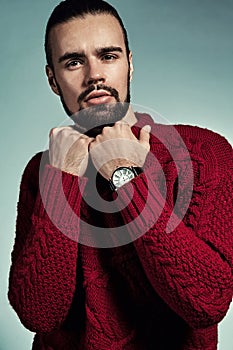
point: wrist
(123, 175)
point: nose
(95, 74)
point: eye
(73, 64)
(109, 57)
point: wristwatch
(122, 175)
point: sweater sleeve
(190, 267)
(44, 259)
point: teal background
(183, 60)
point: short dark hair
(70, 9)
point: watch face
(121, 176)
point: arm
(191, 267)
(44, 259)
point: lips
(98, 97)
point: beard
(92, 120)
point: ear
(131, 69)
(51, 79)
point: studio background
(183, 54)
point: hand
(117, 146)
(68, 150)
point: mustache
(91, 88)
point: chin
(94, 119)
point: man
(171, 188)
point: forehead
(86, 34)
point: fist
(68, 150)
(117, 146)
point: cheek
(70, 88)
(122, 82)
(68, 82)
(69, 85)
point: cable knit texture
(164, 290)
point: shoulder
(194, 137)
(196, 134)
(207, 144)
(210, 152)
(191, 135)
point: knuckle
(82, 140)
(98, 138)
(119, 122)
(106, 129)
(56, 131)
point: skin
(80, 63)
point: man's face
(91, 66)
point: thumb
(144, 137)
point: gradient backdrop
(183, 60)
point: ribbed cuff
(60, 197)
(143, 205)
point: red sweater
(163, 290)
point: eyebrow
(68, 55)
(103, 50)
(99, 51)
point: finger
(51, 132)
(145, 134)
(91, 145)
(122, 122)
(56, 130)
